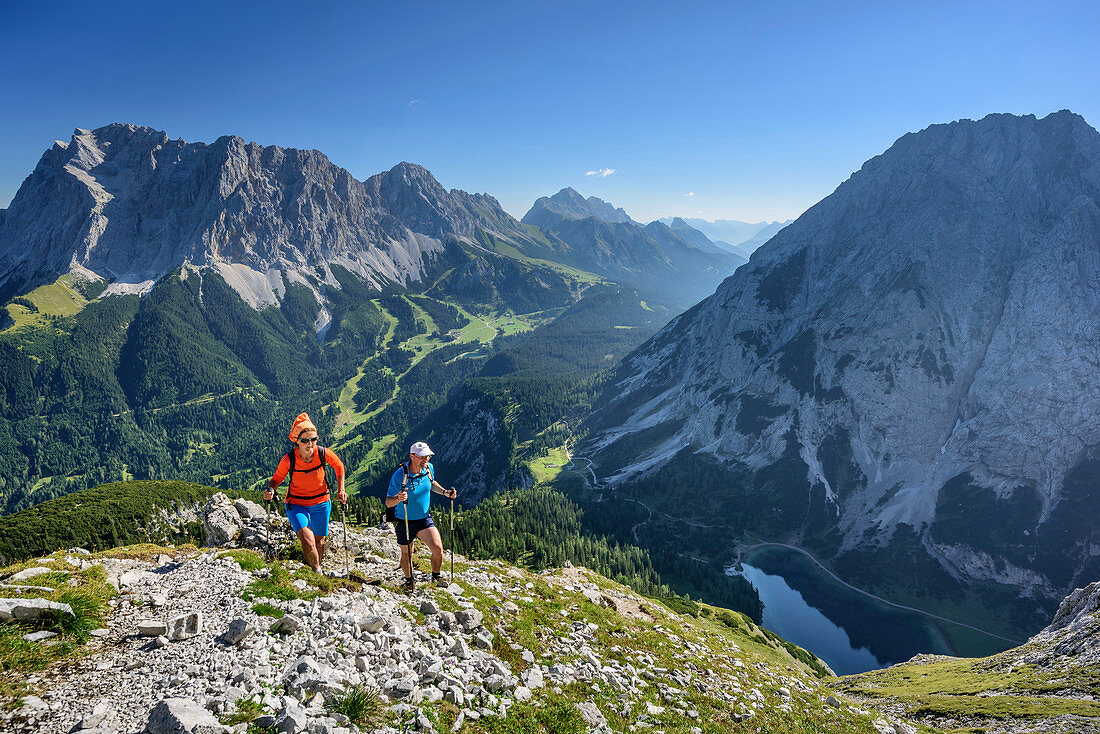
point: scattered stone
(372, 624)
(151, 628)
(469, 618)
(284, 625)
(238, 631)
(591, 714)
(99, 721)
(26, 610)
(184, 626)
(882, 726)
(39, 636)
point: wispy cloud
(601, 172)
(415, 102)
(690, 194)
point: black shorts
(415, 526)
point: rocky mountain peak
(570, 204)
(127, 204)
(917, 345)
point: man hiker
(307, 497)
(410, 493)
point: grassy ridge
(976, 692)
(120, 513)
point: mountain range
(653, 258)
(740, 237)
(903, 378)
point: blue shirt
(419, 489)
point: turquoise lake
(852, 633)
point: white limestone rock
(183, 716)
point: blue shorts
(415, 526)
(315, 517)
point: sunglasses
(304, 441)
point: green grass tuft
(248, 560)
(361, 704)
(268, 610)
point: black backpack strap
(320, 464)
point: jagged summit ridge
(126, 203)
(931, 321)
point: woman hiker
(307, 497)
(410, 492)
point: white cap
(420, 449)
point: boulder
(221, 521)
(26, 610)
(182, 716)
(29, 573)
(248, 510)
(292, 720)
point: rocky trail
(190, 641)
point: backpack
(390, 514)
(291, 456)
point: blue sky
(739, 110)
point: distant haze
(744, 236)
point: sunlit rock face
(128, 204)
(920, 347)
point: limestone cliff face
(128, 204)
(923, 340)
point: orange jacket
(307, 486)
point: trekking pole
(453, 534)
(407, 538)
(267, 530)
(344, 522)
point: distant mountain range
(128, 205)
(904, 379)
(680, 264)
(740, 237)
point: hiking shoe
(437, 579)
(410, 584)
